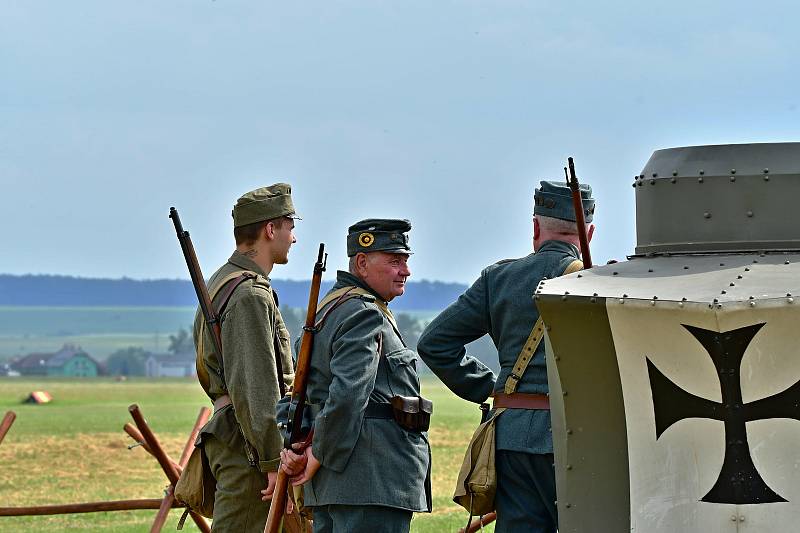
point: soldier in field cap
(368, 468)
(241, 441)
(500, 304)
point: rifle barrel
(580, 220)
(198, 281)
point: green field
(74, 450)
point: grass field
(74, 450)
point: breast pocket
(402, 372)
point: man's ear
(536, 229)
(269, 231)
(361, 263)
(590, 233)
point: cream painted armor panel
(652, 399)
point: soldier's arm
(250, 371)
(354, 366)
(442, 344)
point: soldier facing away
(500, 304)
(241, 441)
(368, 468)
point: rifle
(198, 281)
(577, 203)
(298, 401)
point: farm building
(69, 361)
(171, 365)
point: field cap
(264, 203)
(379, 235)
(554, 199)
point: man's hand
(266, 494)
(300, 467)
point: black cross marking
(738, 482)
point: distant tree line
(131, 361)
(47, 290)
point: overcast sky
(444, 112)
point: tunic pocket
(402, 366)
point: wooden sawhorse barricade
(144, 436)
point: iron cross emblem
(738, 482)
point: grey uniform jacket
(500, 303)
(359, 357)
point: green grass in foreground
(74, 450)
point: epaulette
(504, 261)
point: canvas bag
(196, 486)
(476, 485)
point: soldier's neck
(260, 255)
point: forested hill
(48, 290)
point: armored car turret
(675, 375)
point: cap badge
(366, 239)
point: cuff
(269, 466)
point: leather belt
(378, 410)
(222, 401)
(522, 400)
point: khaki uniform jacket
(358, 358)
(252, 332)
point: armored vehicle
(675, 375)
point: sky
(447, 113)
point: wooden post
(167, 465)
(202, 418)
(163, 511)
(89, 507)
(136, 435)
(5, 425)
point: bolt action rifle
(198, 281)
(298, 398)
(580, 221)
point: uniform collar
(242, 261)
(346, 279)
(559, 246)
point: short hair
(248, 234)
(557, 225)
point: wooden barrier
(5, 425)
(168, 465)
(145, 437)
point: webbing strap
(200, 365)
(534, 339)
(338, 293)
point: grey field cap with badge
(379, 235)
(554, 199)
(264, 203)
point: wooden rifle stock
(198, 281)
(298, 401)
(577, 203)
(478, 523)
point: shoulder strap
(531, 345)
(358, 291)
(225, 283)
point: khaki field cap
(265, 203)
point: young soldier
(500, 304)
(365, 472)
(241, 441)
